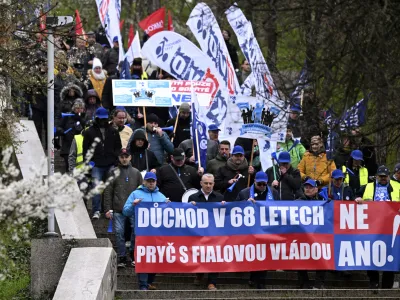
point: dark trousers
(387, 278)
(258, 277)
(212, 277)
(145, 279)
(304, 280)
(39, 118)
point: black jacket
(65, 124)
(289, 184)
(110, 61)
(261, 196)
(107, 150)
(169, 184)
(142, 158)
(119, 189)
(213, 197)
(182, 130)
(315, 198)
(107, 95)
(224, 174)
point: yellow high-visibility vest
(79, 150)
(363, 174)
(370, 191)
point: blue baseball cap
(150, 175)
(357, 155)
(120, 108)
(284, 157)
(337, 174)
(295, 108)
(311, 182)
(115, 39)
(101, 113)
(238, 150)
(213, 127)
(261, 177)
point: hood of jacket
(243, 166)
(146, 190)
(138, 134)
(67, 88)
(92, 93)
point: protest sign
(267, 235)
(161, 93)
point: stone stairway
(280, 285)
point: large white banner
(265, 88)
(179, 57)
(109, 14)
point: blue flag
(295, 97)
(355, 116)
(199, 130)
(173, 111)
(126, 70)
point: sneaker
(211, 287)
(144, 289)
(96, 215)
(133, 263)
(151, 287)
(121, 262)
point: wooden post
(176, 125)
(251, 161)
(145, 121)
(198, 147)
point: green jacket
(296, 152)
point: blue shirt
(146, 195)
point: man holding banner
(206, 194)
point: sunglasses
(261, 183)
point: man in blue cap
(310, 191)
(147, 192)
(111, 58)
(338, 190)
(233, 177)
(356, 174)
(105, 152)
(259, 191)
(284, 178)
(213, 132)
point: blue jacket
(158, 144)
(146, 195)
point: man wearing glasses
(383, 189)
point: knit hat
(185, 107)
(316, 139)
(78, 103)
(97, 63)
(152, 118)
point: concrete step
(277, 298)
(258, 294)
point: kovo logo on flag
(370, 250)
(156, 26)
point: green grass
(15, 288)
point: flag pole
(251, 161)
(301, 101)
(176, 126)
(198, 148)
(145, 121)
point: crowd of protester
(159, 166)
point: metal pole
(50, 126)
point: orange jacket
(316, 167)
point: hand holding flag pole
(251, 161)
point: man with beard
(118, 122)
(143, 158)
(105, 152)
(220, 160)
(284, 178)
(94, 48)
(125, 179)
(111, 58)
(137, 71)
(182, 131)
(233, 177)
(383, 189)
(177, 177)
(315, 164)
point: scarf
(269, 195)
(230, 164)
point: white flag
(134, 51)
